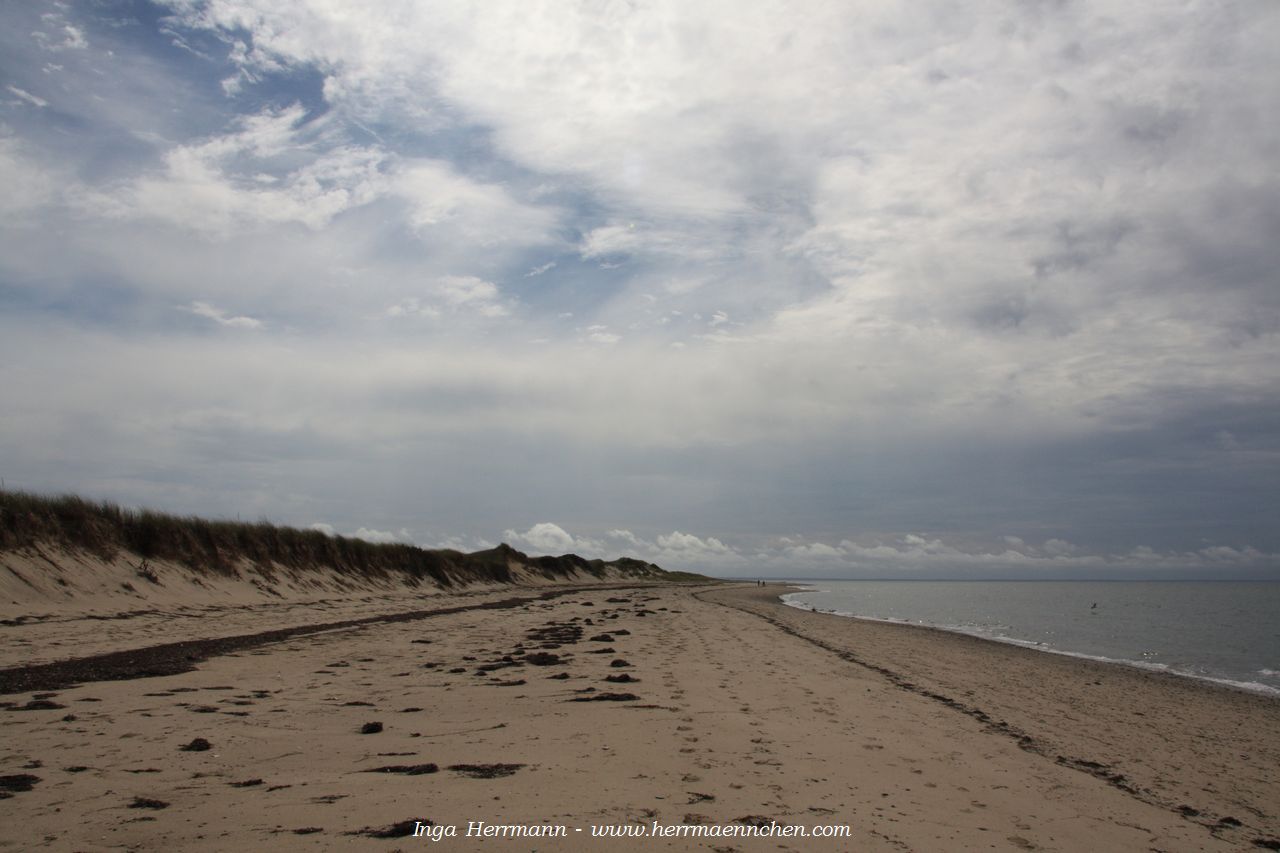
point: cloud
(455, 294)
(692, 546)
(279, 167)
(218, 187)
(904, 556)
(471, 292)
(671, 550)
(967, 272)
(481, 214)
(914, 555)
(465, 544)
(217, 315)
(383, 537)
(368, 534)
(599, 334)
(61, 35)
(623, 536)
(543, 538)
(28, 97)
(413, 307)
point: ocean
(1228, 632)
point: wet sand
(623, 707)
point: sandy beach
(625, 705)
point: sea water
(1227, 632)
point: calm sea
(1220, 631)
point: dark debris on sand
(37, 705)
(554, 634)
(16, 784)
(405, 769)
(755, 820)
(148, 803)
(197, 745)
(485, 771)
(174, 658)
(542, 659)
(371, 728)
(400, 829)
(607, 697)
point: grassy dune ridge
(221, 547)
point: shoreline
(1051, 704)
(1251, 687)
(712, 705)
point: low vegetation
(105, 530)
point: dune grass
(105, 530)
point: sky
(823, 289)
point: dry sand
(746, 709)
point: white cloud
(28, 97)
(278, 168)
(602, 335)
(542, 538)
(813, 552)
(64, 36)
(539, 270)
(961, 229)
(75, 39)
(1058, 548)
(455, 294)
(677, 542)
(692, 243)
(482, 214)
(673, 550)
(383, 537)
(471, 292)
(215, 187)
(907, 555)
(413, 307)
(222, 318)
(915, 555)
